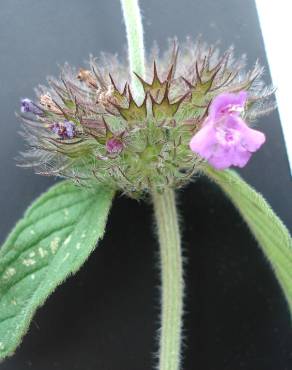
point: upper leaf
(54, 238)
(268, 229)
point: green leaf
(52, 241)
(270, 232)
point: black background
(106, 316)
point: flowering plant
(143, 130)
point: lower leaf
(268, 229)
(52, 241)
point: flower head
(65, 130)
(225, 139)
(92, 129)
(28, 106)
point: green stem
(165, 213)
(172, 279)
(134, 28)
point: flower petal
(203, 141)
(221, 102)
(222, 157)
(225, 139)
(221, 161)
(240, 157)
(253, 139)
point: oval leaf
(268, 229)
(52, 241)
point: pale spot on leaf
(9, 273)
(67, 240)
(66, 257)
(2, 347)
(28, 262)
(78, 245)
(55, 244)
(42, 252)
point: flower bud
(114, 146)
(65, 130)
(28, 106)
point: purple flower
(114, 146)
(225, 139)
(28, 106)
(66, 129)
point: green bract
(52, 241)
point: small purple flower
(114, 146)
(28, 106)
(66, 129)
(225, 139)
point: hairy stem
(172, 280)
(165, 214)
(134, 28)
